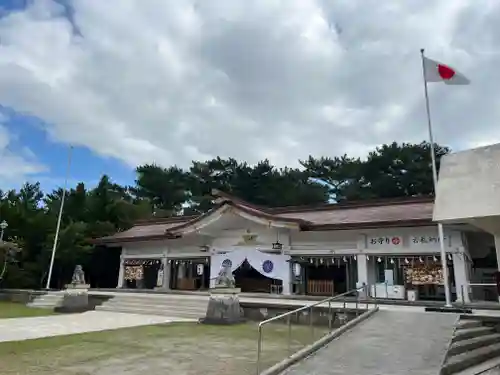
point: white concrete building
(390, 245)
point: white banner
(270, 265)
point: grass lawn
(18, 310)
(180, 349)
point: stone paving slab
(388, 343)
(17, 329)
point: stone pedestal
(76, 298)
(223, 307)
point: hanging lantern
(407, 261)
(367, 257)
(311, 260)
(355, 257)
(379, 260)
(420, 260)
(344, 259)
(449, 256)
(392, 261)
(176, 262)
(296, 269)
(321, 260)
(434, 258)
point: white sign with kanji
(389, 241)
(426, 240)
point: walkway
(389, 343)
(17, 329)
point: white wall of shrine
(397, 242)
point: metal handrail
(309, 307)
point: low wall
(320, 315)
(19, 295)
(25, 296)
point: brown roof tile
(363, 215)
(140, 231)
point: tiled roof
(142, 231)
(367, 214)
(335, 216)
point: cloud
(16, 164)
(164, 81)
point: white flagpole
(59, 218)
(444, 264)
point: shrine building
(323, 250)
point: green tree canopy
(390, 171)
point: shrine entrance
(252, 281)
(254, 270)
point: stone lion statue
(225, 277)
(78, 276)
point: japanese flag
(437, 72)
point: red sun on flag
(445, 72)
(395, 240)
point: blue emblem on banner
(267, 266)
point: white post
(166, 273)
(366, 272)
(59, 218)
(497, 248)
(461, 277)
(121, 273)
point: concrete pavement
(17, 329)
(389, 343)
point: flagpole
(59, 218)
(444, 264)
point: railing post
(375, 294)
(357, 303)
(311, 322)
(367, 296)
(289, 334)
(259, 348)
(329, 316)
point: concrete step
(468, 333)
(41, 306)
(171, 300)
(471, 358)
(162, 300)
(481, 369)
(161, 312)
(156, 303)
(469, 323)
(123, 305)
(462, 346)
(47, 301)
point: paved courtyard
(56, 325)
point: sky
(128, 82)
